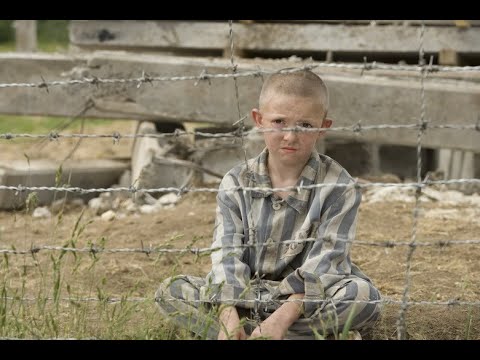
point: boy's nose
(289, 134)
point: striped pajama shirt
(265, 249)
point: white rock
(99, 205)
(432, 193)
(108, 215)
(129, 205)
(57, 205)
(116, 203)
(390, 193)
(106, 195)
(454, 196)
(170, 198)
(148, 209)
(41, 212)
(77, 202)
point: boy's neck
(283, 176)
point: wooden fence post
(26, 35)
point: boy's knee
(164, 290)
(366, 291)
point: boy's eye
(305, 125)
(277, 122)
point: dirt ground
(437, 273)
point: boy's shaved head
(304, 83)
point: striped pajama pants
(178, 298)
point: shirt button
(276, 206)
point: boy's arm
(230, 328)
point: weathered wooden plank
(321, 37)
(372, 99)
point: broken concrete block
(86, 174)
(151, 165)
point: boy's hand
(270, 329)
(276, 325)
(230, 328)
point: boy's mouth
(287, 148)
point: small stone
(106, 195)
(77, 203)
(99, 205)
(41, 212)
(148, 209)
(108, 215)
(57, 206)
(170, 198)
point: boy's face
(289, 111)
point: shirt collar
(260, 178)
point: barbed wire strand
(183, 190)
(115, 300)
(235, 134)
(250, 73)
(401, 324)
(251, 226)
(35, 249)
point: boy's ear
(326, 123)
(257, 117)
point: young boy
(282, 266)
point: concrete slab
(96, 173)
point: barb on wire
(43, 85)
(62, 126)
(202, 77)
(357, 128)
(116, 137)
(53, 136)
(367, 66)
(144, 79)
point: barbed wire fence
(420, 126)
